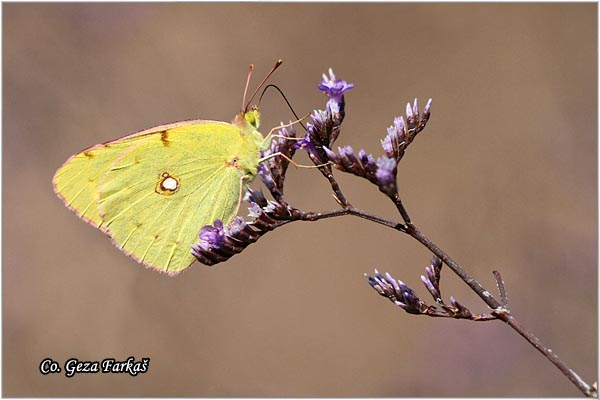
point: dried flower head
(272, 171)
(218, 243)
(384, 171)
(397, 292)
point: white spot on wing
(169, 184)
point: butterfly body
(151, 192)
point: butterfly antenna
(250, 71)
(277, 64)
(284, 98)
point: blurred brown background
(504, 177)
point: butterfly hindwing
(77, 181)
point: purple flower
(363, 165)
(266, 177)
(368, 163)
(311, 143)
(334, 88)
(397, 292)
(415, 122)
(411, 111)
(212, 236)
(255, 197)
(239, 234)
(431, 288)
(219, 243)
(432, 280)
(235, 227)
(386, 175)
(319, 118)
(322, 126)
(427, 107)
(325, 126)
(394, 143)
(349, 159)
(255, 211)
(306, 142)
(272, 170)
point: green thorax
(254, 142)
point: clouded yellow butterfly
(151, 192)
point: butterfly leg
(271, 135)
(295, 164)
(244, 181)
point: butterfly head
(253, 117)
(247, 120)
(250, 117)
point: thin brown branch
(401, 209)
(501, 288)
(485, 295)
(583, 386)
(502, 312)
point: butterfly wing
(153, 191)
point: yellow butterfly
(151, 192)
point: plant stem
(485, 295)
(401, 209)
(315, 216)
(502, 312)
(337, 192)
(499, 309)
(583, 386)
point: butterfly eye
(167, 184)
(235, 162)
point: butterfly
(152, 191)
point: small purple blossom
(219, 243)
(306, 142)
(409, 110)
(255, 197)
(431, 288)
(383, 173)
(404, 297)
(397, 292)
(368, 162)
(386, 175)
(363, 166)
(394, 143)
(401, 133)
(334, 88)
(212, 236)
(333, 107)
(427, 108)
(255, 211)
(415, 121)
(432, 280)
(266, 177)
(319, 118)
(272, 170)
(325, 126)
